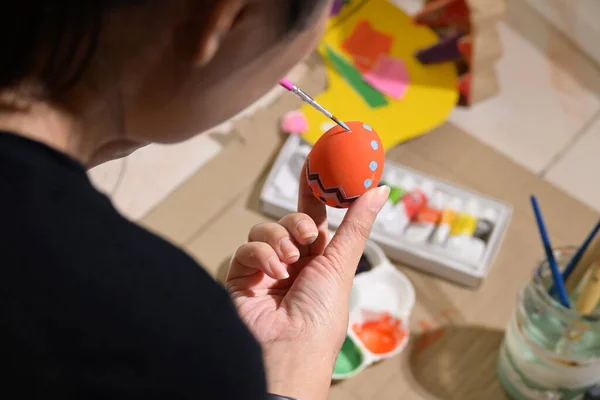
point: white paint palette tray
(381, 302)
(460, 258)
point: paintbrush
(286, 84)
(576, 277)
(590, 294)
(556, 276)
(584, 276)
(574, 262)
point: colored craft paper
(432, 91)
(351, 75)
(445, 50)
(337, 7)
(294, 122)
(445, 12)
(464, 85)
(389, 76)
(465, 46)
(366, 45)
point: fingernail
(289, 251)
(278, 269)
(307, 231)
(378, 198)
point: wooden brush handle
(590, 295)
(591, 255)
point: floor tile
(548, 93)
(577, 171)
(576, 19)
(106, 177)
(155, 171)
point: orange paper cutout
(366, 45)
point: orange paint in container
(380, 336)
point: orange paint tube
(449, 214)
(426, 220)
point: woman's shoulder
(91, 285)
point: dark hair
(55, 40)
(52, 41)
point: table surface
(455, 331)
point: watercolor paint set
(381, 301)
(427, 223)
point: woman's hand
(291, 286)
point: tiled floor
(141, 180)
(546, 117)
(577, 18)
(540, 109)
(577, 170)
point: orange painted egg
(344, 165)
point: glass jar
(549, 351)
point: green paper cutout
(370, 95)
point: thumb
(347, 245)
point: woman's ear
(220, 21)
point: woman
(94, 306)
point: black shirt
(93, 306)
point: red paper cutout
(366, 45)
(445, 12)
(465, 46)
(464, 85)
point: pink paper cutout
(294, 122)
(389, 76)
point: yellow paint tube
(462, 231)
(466, 222)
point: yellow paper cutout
(432, 92)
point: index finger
(308, 204)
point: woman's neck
(47, 125)
(64, 133)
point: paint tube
(483, 232)
(412, 203)
(389, 214)
(388, 210)
(426, 220)
(449, 214)
(462, 230)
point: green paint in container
(349, 358)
